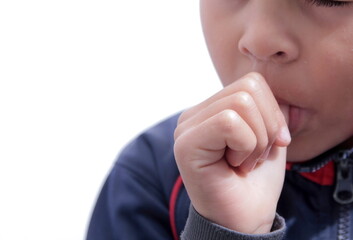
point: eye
(328, 3)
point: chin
(300, 151)
(303, 153)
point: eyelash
(328, 3)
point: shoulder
(150, 155)
(161, 136)
(156, 141)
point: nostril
(245, 51)
(280, 54)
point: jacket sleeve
(131, 204)
(197, 227)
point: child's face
(303, 48)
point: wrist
(260, 223)
(198, 227)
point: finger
(226, 91)
(245, 106)
(256, 86)
(284, 137)
(281, 141)
(205, 144)
(248, 83)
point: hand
(231, 153)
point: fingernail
(285, 135)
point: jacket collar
(321, 169)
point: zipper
(344, 222)
(343, 193)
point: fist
(231, 153)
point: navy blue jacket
(143, 197)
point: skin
(283, 63)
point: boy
(231, 150)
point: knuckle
(256, 76)
(227, 119)
(178, 146)
(181, 148)
(243, 100)
(183, 116)
(254, 82)
(181, 123)
(177, 133)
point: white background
(78, 80)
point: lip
(294, 119)
(295, 116)
(281, 101)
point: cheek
(222, 27)
(330, 80)
(335, 98)
(222, 44)
(334, 92)
(331, 67)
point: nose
(267, 38)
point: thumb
(284, 138)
